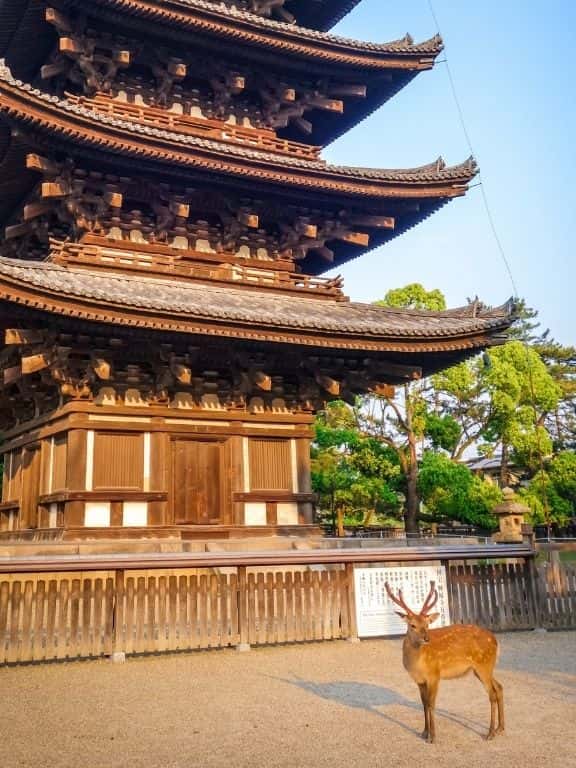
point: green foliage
(443, 431)
(551, 493)
(414, 296)
(351, 472)
(451, 491)
(518, 399)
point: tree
(351, 471)
(451, 491)
(551, 493)
(400, 421)
(522, 394)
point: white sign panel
(375, 612)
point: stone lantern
(511, 513)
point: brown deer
(430, 655)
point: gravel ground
(324, 704)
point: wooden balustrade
(172, 266)
(194, 126)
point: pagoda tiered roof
(75, 129)
(380, 70)
(433, 338)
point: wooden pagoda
(167, 219)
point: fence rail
(88, 614)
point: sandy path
(326, 704)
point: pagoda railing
(194, 126)
(171, 266)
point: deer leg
(494, 690)
(499, 691)
(432, 693)
(424, 697)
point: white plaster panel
(255, 513)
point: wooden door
(30, 486)
(197, 476)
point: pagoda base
(161, 534)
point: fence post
(539, 595)
(118, 654)
(244, 644)
(351, 598)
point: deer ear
(402, 615)
(433, 617)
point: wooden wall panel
(12, 488)
(59, 457)
(118, 461)
(30, 487)
(270, 465)
(76, 460)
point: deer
(431, 655)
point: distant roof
(200, 308)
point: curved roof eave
(22, 103)
(170, 306)
(238, 25)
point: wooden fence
(71, 615)
(60, 616)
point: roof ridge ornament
(5, 71)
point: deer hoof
(491, 735)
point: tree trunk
(504, 477)
(412, 510)
(340, 514)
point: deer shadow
(371, 698)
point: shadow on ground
(372, 698)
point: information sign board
(375, 612)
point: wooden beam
(69, 46)
(182, 210)
(330, 105)
(34, 210)
(177, 69)
(102, 368)
(114, 199)
(55, 189)
(304, 125)
(23, 336)
(250, 220)
(263, 381)
(347, 89)
(383, 390)
(236, 83)
(181, 373)
(355, 238)
(58, 19)
(122, 57)
(38, 362)
(378, 222)
(12, 375)
(48, 71)
(394, 370)
(331, 386)
(17, 230)
(36, 162)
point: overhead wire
(502, 253)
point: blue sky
(514, 66)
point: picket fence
(89, 614)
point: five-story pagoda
(167, 219)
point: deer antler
(398, 600)
(431, 600)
